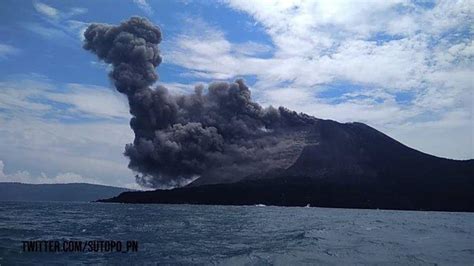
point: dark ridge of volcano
(358, 150)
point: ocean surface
(237, 235)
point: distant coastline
(12, 191)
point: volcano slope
(348, 165)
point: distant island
(56, 192)
(347, 165)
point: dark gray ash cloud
(218, 131)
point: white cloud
(452, 136)
(26, 177)
(143, 5)
(385, 111)
(93, 100)
(178, 88)
(54, 13)
(76, 11)
(33, 95)
(45, 31)
(77, 27)
(251, 48)
(46, 10)
(14, 96)
(7, 50)
(57, 23)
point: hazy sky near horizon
(403, 67)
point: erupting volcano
(233, 151)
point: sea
(231, 235)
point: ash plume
(218, 131)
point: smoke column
(219, 132)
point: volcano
(244, 153)
(346, 165)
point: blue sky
(403, 67)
